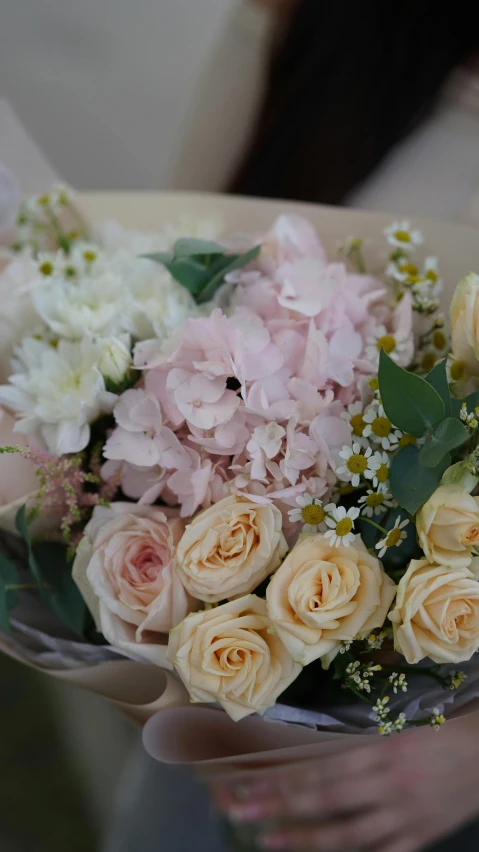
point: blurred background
(340, 103)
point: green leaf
(190, 273)
(190, 247)
(449, 435)
(472, 401)
(8, 597)
(51, 570)
(235, 262)
(410, 403)
(437, 378)
(61, 592)
(411, 482)
(164, 257)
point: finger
(304, 775)
(336, 835)
(318, 800)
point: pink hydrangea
(251, 399)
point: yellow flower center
(409, 268)
(403, 236)
(357, 463)
(439, 339)
(344, 527)
(374, 383)
(374, 500)
(457, 370)
(44, 200)
(357, 424)
(70, 271)
(428, 361)
(414, 279)
(89, 256)
(432, 275)
(393, 537)
(46, 268)
(381, 427)
(387, 342)
(407, 440)
(313, 514)
(382, 474)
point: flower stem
(374, 524)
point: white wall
(110, 89)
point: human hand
(397, 795)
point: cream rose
(322, 596)
(437, 613)
(448, 526)
(125, 571)
(230, 548)
(228, 654)
(464, 312)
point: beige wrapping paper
(141, 690)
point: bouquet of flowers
(245, 463)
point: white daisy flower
(341, 523)
(375, 502)
(357, 464)
(393, 344)
(456, 370)
(380, 464)
(394, 538)
(354, 416)
(310, 512)
(379, 428)
(401, 235)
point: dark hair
(349, 81)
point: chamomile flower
(356, 464)
(402, 236)
(354, 416)
(380, 464)
(341, 523)
(375, 502)
(379, 428)
(394, 538)
(456, 370)
(436, 719)
(393, 344)
(310, 512)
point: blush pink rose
(125, 571)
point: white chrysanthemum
(375, 502)
(341, 523)
(401, 235)
(157, 302)
(57, 392)
(92, 305)
(395, 345)
(114, 357)
(379, 428)
(309, 512)
(356, 464)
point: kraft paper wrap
(203, 736)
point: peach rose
(322, 596)
(230, 548)
(228, 654)
(464, 312)
(125, 571)
(448, 526)
(437, 613)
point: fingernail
(248, 812)
(273, 841)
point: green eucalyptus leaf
(8, 597)
(235, 262)
(410, 402)
(460, 474)
(62, 593)
(449, 435)
(411, 482)
(190, 273)
(164, 257)
(472, 402)
(21, 524)
(438, 379)
(191, 247)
